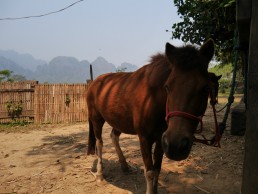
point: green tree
(226, 72)
(5, 75)
(203, 19)
(121, 69)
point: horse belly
(121, 122)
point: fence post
(91, 72)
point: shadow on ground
(69, 150)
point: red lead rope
(215, 141)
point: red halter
(212, 142)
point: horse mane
(186, 58)
(158, 70)
(158, 58)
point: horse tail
(91, 140)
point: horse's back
(106, 84)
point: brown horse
(215, 87)
(174, 86)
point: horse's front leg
(158, 156)
(151, 175)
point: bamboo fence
(56, 103)
(17, 93)
(44, 103)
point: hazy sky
(118, 30)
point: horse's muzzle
(177, 148)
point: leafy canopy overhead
(203, 19)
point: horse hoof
(101, 181)
(99, 178)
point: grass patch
(223, 98)
(14, 126)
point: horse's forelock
(187, 58)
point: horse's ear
(218, 77)
(170, 51)
(214, 77)
(207, 50)
(169, 47)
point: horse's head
(188, 87)
(215, 88)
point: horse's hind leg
(115, 139)
(99, 175)
(97, 126)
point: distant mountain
(127, 67)
(101, 65)
(15, 68)
(61, 69)
(70, 70)
(25, 60)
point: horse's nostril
(165, 142)
(176, 148)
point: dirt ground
(52, 159)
